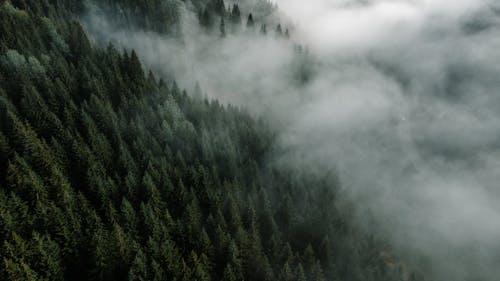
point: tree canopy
(110, 173)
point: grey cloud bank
(419, 124)
(402, 99)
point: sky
(401, 99)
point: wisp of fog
(402, 98)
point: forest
(109, 171)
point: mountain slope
(107, 173)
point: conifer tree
(107, 173)
(300, 274)
(138, 270)
(286, 273)
(229, 274)
(236, 15)
(219, 7)
(250, 22)
(222, 28)
(317, 273)
(263, 29)
(279, 30)
(206, 19)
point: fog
(414, 125)
(401, 98)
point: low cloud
(400, 97)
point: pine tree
(206, 19)
(48, 257)
(222, 28)
(286, 273)
(219, 7)
(79, 44)
(317, 273)
(263, 29)
(157, 272)
(5, 152)
(201, 270)
(236, 15)
(129, 217)
(135, 71)
(107, 173)
(299, 273)
(138, 270)
(308, 258)
(229, 274)
(279, 30)
(250, 22)
(234, 261)
(101, 263)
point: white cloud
(403, 102)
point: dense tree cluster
(215, 12)
(108, 173)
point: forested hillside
(109, 173)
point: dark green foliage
(209, 14)
(279, 30)
(250, 21)
(109, 174)
(158, 15)
(236, 14)
(222, 28)
(206, 18)
(218, 7)
(263, 29)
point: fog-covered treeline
(399, 97)
(107, 172)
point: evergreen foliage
(107, 173)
